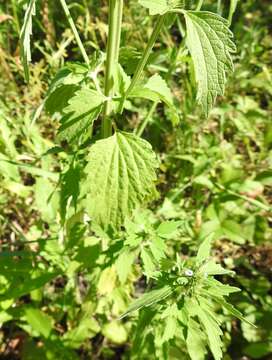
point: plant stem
(74, 30)
(141, 129)
(113, 45)
(172, 66)
(142, 63)
(199, 5)
(219, 6)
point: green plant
(108, 177)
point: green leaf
(168, 228)
(231, 309)
(148, 264)
(213, 331)
(209, 41)
(63, 87)
(124, 264)
(158, 248)
(149, 299)
(216, 288)
(155, 89)
(82, 110)
(87, 328)
(204, 250)
(115, 332)
(39, 321)
(170, 329)
(27, 286)
(211, 268)
(70, 181)
(195, 341)
(26, 32)
(120, 178)
(161, 7)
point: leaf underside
(209, 41)
(120, 178)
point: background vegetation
(215, 176)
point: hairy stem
(113, 45)
(74, 30)
(142, 63)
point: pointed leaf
(39, 321)
(204, 250)
(195, 341)
(213, 332)
(211, 268)
(231, 309)
(209, 41)
(148, 299)
(26, 32)
(82, 110)
(160, 6)
(120, 177)
(155, 89)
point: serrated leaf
(64, 85)
(204, 250)
(195, 341)
(154, 89)
(148, 263)
(26, 32)
(158, 248)
(213, 332)
(82, 110)
(168, 228)
(70, 181)
(160, 7)
(209, 41)
(231, 309)
(124, 264)
(87, 328)
(39, 321)
(216, 288)
(120, 178)
(149, 299)
(170, 329)
(211, 268)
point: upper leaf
(155, 89)
(209, 41)
(82, 109)
(120, 178)
(161, 7)
(204, 250)
(26, 32)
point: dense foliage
(135, 164)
